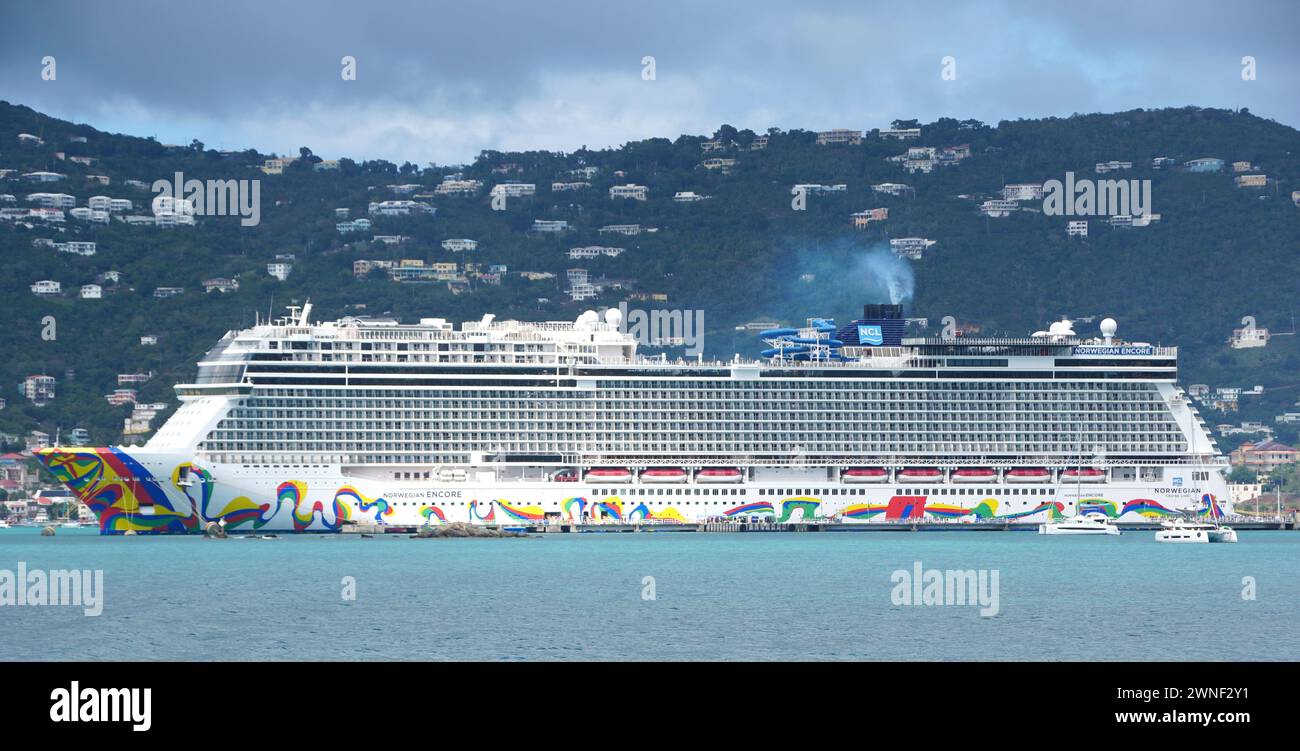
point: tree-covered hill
(1217, 254)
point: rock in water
(214, 531)
(47, 531)
(462, 529)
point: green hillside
(1217, 254)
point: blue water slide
(832, 343)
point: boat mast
(1078, 476)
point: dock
(904, 525)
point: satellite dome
(1108, 327)
(613, 317)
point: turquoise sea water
(717, 596)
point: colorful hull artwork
(383, 511)
(236, 513)
(898, 507)
(610, 508)
(126, 497)
(144, 492)
(522, 513)
(902, 507)
(574, 508)
(1050, 510)
(1098, 506)
(475, 515)
(643, 513)
(801, 508)
(1211, 507)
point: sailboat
(67, 521)
(1194, 531)
(1191, 530)
(1092, 523)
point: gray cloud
(441, 81)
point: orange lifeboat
(718, 474)
(974, 474)
(1029, 474)
(674, 474)
(1087, 474)
(921, 474)
(864, 474)
(609, 474)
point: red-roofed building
(13, 469)
(1266, 456)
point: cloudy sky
(439, 81)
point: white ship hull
(151, 492)
(1223, 534)
(1091, 524)
(1182, 536)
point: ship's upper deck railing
(995, 341)
(565, 333)
(652, 361)
(554, 326)
(949, 459)
(1063, 346)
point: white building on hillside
(910, 247)
(52, 200)
(1023, 192)
(514, 190)
(457, 245)
(635, 192)
(839, 136)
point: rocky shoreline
(462, 529)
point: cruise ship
(295, 425)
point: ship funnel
(878, 312)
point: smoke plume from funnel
(836, 277)
(889, 273)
